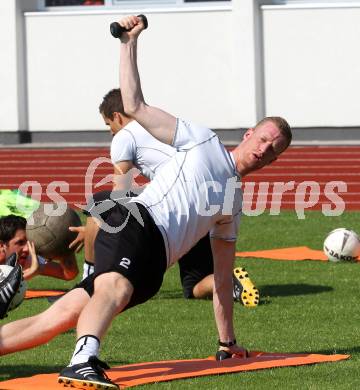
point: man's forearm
(223, 253)
(157, 122)
(129, 77)
(223, 310)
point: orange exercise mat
(295, 253)
(43, 294)
(152, 372)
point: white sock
(86, 346)
(88, 269)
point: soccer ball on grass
(342, 245)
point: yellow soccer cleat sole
(81, 384)
(246, 293)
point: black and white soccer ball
(342, 245)
(20, 294)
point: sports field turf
(306, 306)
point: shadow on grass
(18, 371)
(169, 294)
(285, 290)
(341, 351)
(270, 290)
(22, 371)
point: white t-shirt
(197, 191)
(133, 143)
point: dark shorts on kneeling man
(137, 252)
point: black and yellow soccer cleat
(87, 375)
(244, 290)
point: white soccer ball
(342, 245)
(20, 295)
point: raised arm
(157, 122)
(33, 270)
(64, 267)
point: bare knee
(204, 288)
(64, 313)
(115, 289)
(61, 319)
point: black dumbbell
(116, 30)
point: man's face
(262, 146)
(114, 124)
(17, 244)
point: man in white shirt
(133, 147)
(197, 191)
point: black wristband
(227, 344)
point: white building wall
(8, 74)
(13, 91)
(195, 64)
(224, 67)
(312, 64)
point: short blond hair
(281, 124)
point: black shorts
(136, 252)
(196, 265)
(98, 198)
(95, 200)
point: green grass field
(307, 306)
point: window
(62, 3)
(283, 2)
(110, 3)
(151, 2)
(143, 2)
